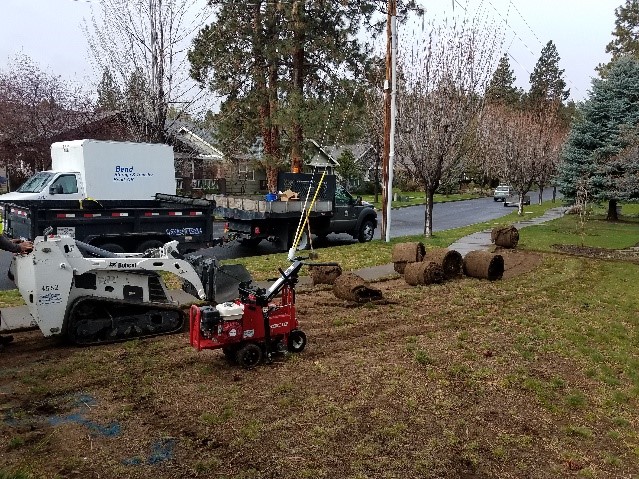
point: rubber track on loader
(94, 320)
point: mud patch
(518, 262)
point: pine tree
(626, 34)
(109, 94)
(501, 89)
(349, 170)
(276, 61)
(546, 81)
(601, 133)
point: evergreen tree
(546, 81)
(137, 107)
(349, 170)
(109, 94)
(626, 34)
(502, 89)
(601, 133)
(275, 61)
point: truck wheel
(150, 244)
(296, 341)
(249, 355)
(366, 231)
(112, 247)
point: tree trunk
(298, 85)
(520, 206)
(377, 163)
(541, 194)
(612, 211)
(264, 110)
(428, 213)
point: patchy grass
(543, 383)
(533, 376)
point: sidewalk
(481, 239)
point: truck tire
(112, 247)
(150, 244)
(366, 231)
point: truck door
(64, 187)
(346, 212)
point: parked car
(502, 192)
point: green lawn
(412, 198)
(593, 231)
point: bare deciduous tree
(35, 104)
(440, 103)
(142, 44)
(511, 134)
(523, 146)
(553, 134)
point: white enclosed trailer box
(114, 170)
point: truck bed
(188, 220)
(242, 207)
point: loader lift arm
(110, 298)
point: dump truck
(119, 196)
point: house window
(178, 183)
(246, 173)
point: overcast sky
(49, 32)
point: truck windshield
(36, 183)
(342, 197)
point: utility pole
(389, 118)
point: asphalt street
(404, 222)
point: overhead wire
(516, 35)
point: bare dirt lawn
(408, 387)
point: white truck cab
(49, 185)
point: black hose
(94, 250)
